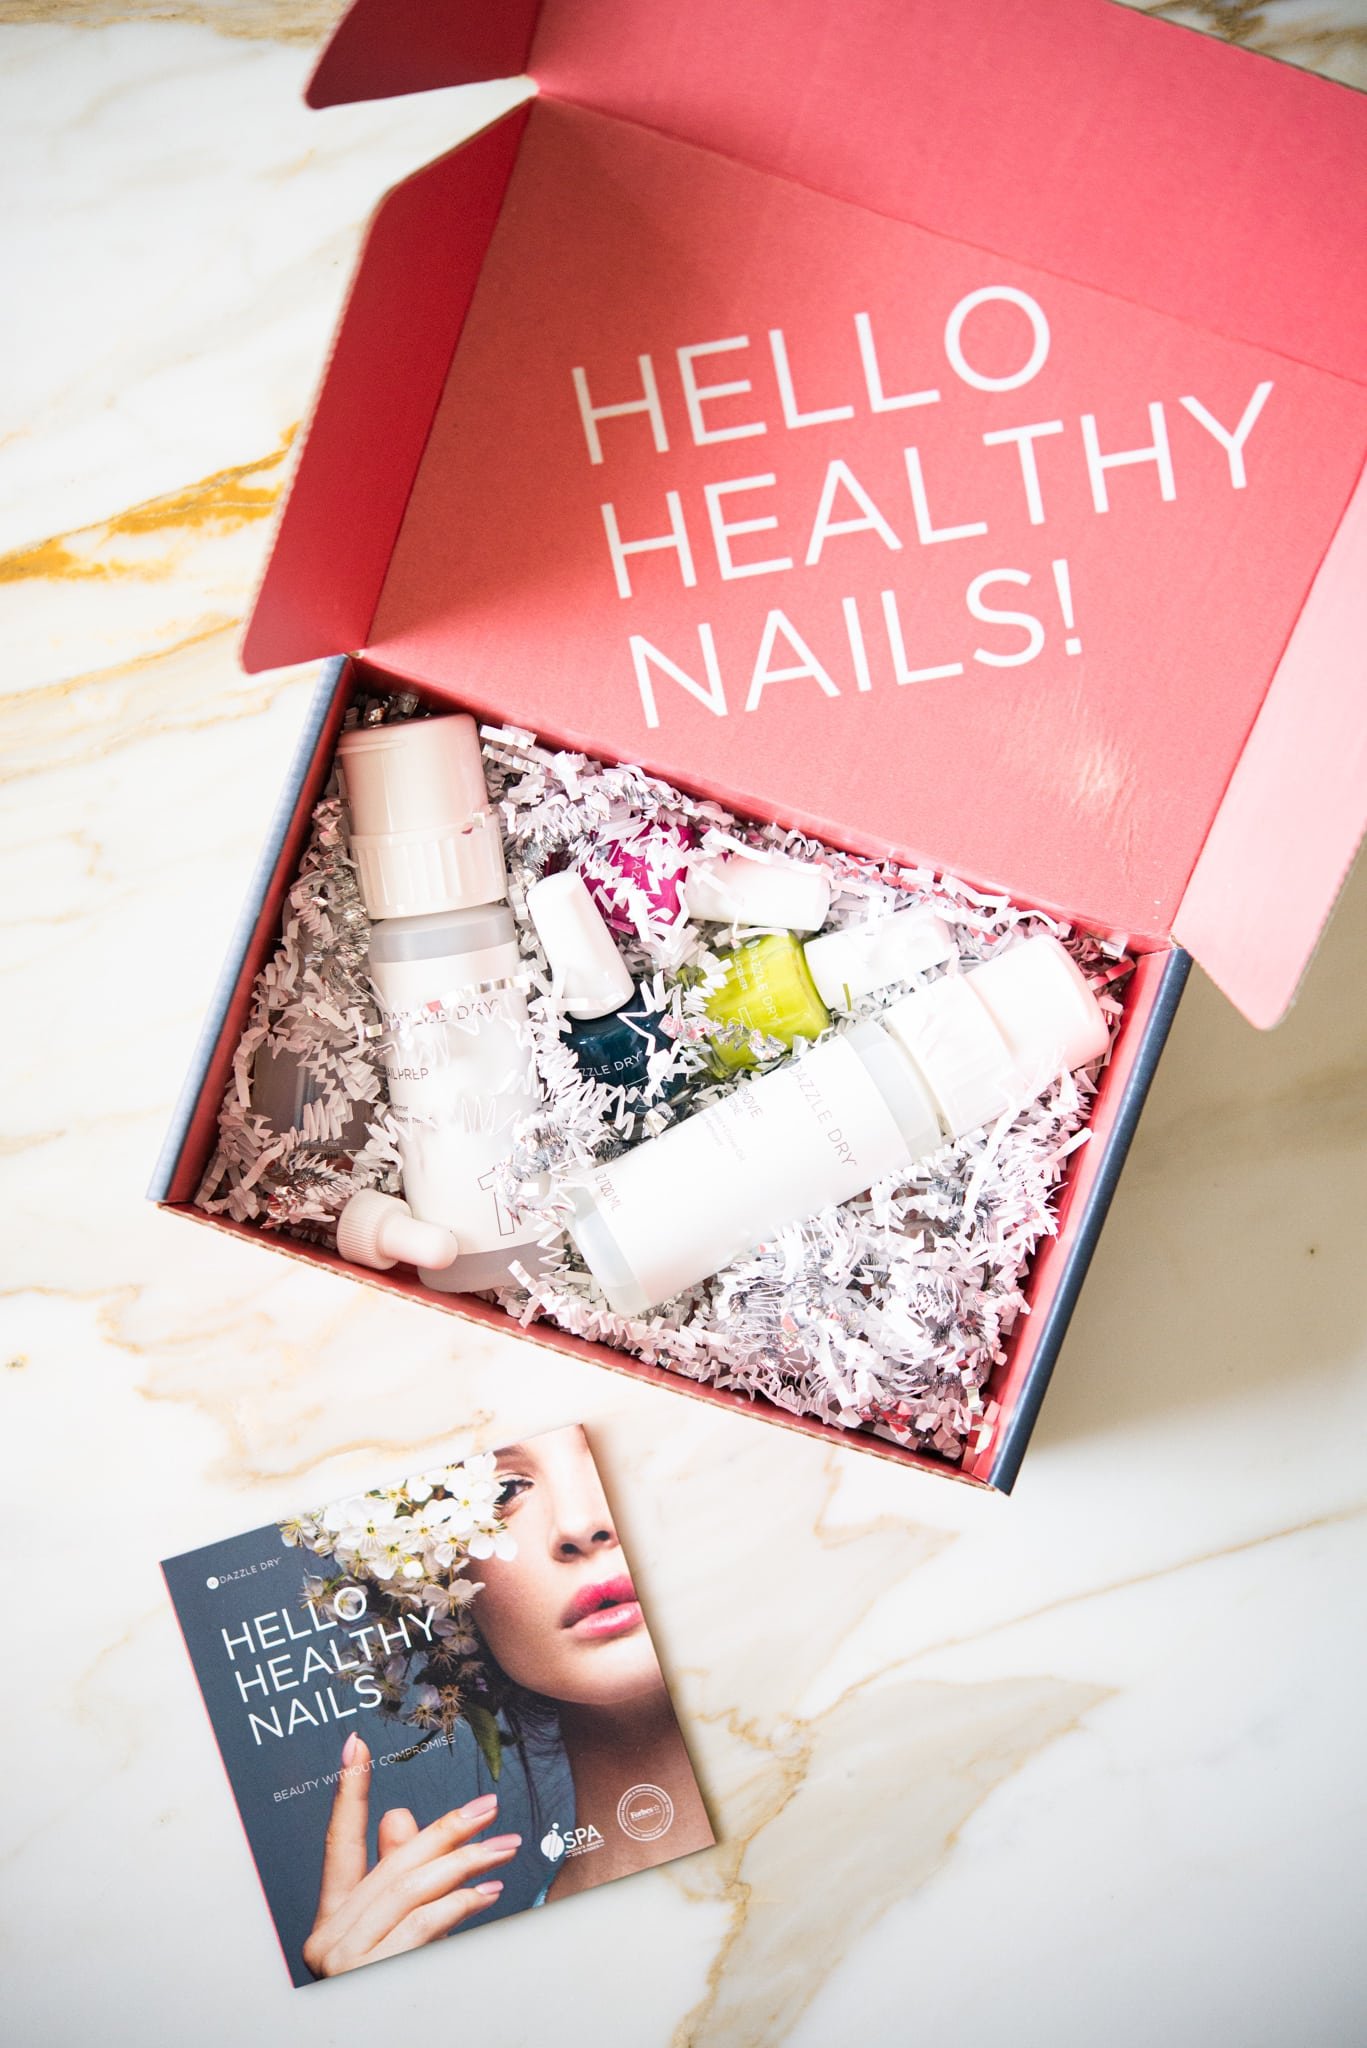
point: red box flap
(983, 558)
(1072, 136)
(418, 268)
(381, 49)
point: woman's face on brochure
(562, 1617)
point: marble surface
(1079, 1766)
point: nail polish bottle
(822, 1129)
(786, 988)
(611, 1034)
(755, 886)
(634, 871)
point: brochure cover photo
(438, 1704)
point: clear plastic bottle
(458, 1050)
(445, 959)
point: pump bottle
(824, 1127)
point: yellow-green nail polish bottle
(767, 988)
(788, 989)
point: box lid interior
(1182, 753)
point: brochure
(438, 1704)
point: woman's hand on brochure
(426, 1881)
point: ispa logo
(569, 1842)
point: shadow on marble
(1232, 1262)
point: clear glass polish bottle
(823, 1128)
(787, 988)
(611, 1033)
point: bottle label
(809, 1134)
(461, 1077)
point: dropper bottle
(445, 960)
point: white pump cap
(758, 888)
(994, 1038)
(422, 831)
(864, 957)
(591, 977)
(1043, 1007)
(380, 1230)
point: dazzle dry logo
(645, 1813)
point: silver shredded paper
(888, 1313)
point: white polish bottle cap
(864, 957)
(591, 977)
(758, 888)
(380, 1230)
(424, 836)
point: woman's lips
(608, 1621)
(609, 1608)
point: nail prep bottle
(461, 1076)
(787, 988)
(445, 960)
(611, 1034)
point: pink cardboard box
(938, 429)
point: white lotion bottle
(445, 961)
(825, 1127)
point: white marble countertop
(1080, 1766)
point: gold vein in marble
(1290, 33)
(187, 687)
(220, 502)
(852, 1829)
(272, 21)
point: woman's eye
(511, 1487)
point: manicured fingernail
(480, 1809)
(490, 1891)
(349, 1749)
(506, 1843)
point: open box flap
(395, 346)
(381, 49)
(1068, 136)
(1296, 806)
(418, 268)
